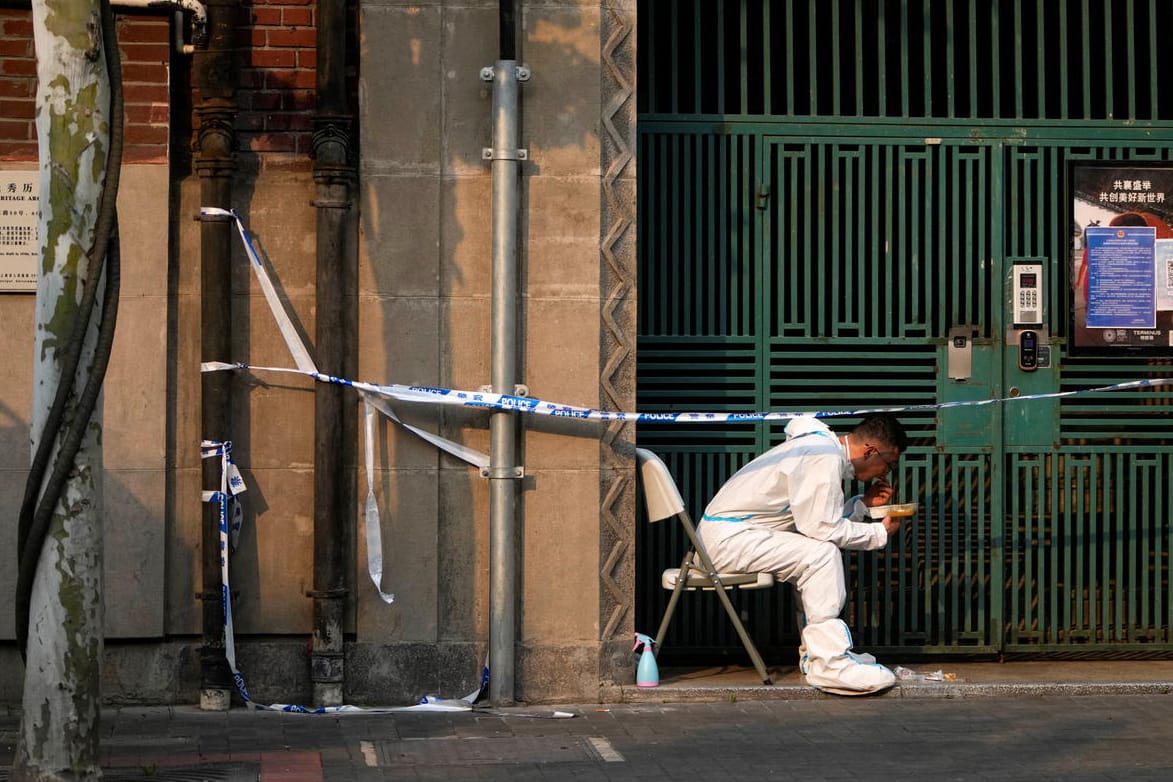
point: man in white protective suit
(784, 513)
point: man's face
(875, 462)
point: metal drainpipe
(335, 422)
(216, 77)
(504, 471)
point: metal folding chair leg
(677, 590)
(722, 595)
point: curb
(934, 691)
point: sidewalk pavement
(980, 721)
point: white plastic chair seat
(697, 580)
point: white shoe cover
(863, 658)
(830, 665)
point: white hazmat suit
(784, 513)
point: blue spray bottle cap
(643, 640)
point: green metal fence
(826, 190)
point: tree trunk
(58, 737)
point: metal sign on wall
(19, 212)
(1122, 258)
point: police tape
(434, 395)
(375, 398)
(231, 515)
(231, 485)
(508, 402)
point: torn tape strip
(371, 521)
(305, 364)
(222, 498)
(232, 485)
(301, 355)
(371, 516)
(464, 453)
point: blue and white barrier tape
(297, 348)
(521, 404)
(375, 398)
(211, 449)
(231, 484)
(480, 399)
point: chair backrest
(660, 492)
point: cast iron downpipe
(504, 471)
(336, 327)
(216, 77)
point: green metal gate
(830, 192)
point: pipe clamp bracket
(488, 153)
(518, 390)
(507, 473)
(522, 73)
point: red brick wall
(18, 81)
(143, 43)
(277, 81)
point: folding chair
(696, 571)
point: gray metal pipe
(504, 471)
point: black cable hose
(73, 349)
(104, 256)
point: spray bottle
(647, 673)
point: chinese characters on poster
(1122, 257)
(19, 212)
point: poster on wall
(1122, 258)
(19, 213)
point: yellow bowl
(905, 509)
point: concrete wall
(137, 406)
(424, 311)
(134, 431)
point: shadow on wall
(14, 435)
(135, 576)
(426, 258)
(277, 531)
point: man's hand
(892, 525)
(878, 493)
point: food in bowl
(895, 511)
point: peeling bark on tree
(58, 737)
